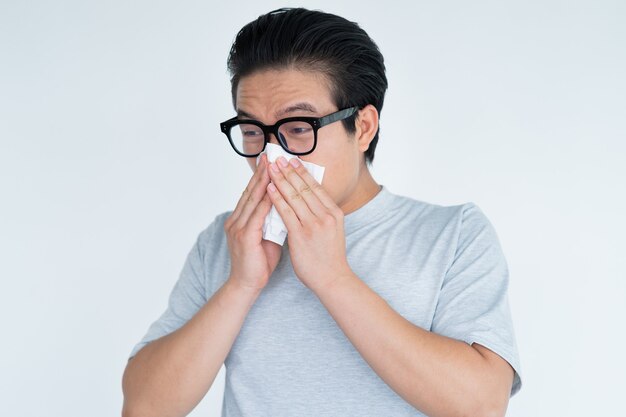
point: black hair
(312, 40)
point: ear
(366, 126)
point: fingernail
(294, 162)
(283, 162)
(274, 168)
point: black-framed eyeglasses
(297, 135)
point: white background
(111, 162)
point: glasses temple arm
(341, 114)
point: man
(376, 305)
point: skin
(265, 96)
(440, 376)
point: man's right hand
(253, 259)
(163, 378)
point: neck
(365, 189)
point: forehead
(270, 94)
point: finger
(318, 190)
(288, 192)
(257, 218)
(284, 210)
(247, 192)
(297, 174)
(254, 198)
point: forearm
(169, 376)
(438, 375)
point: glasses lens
(247, 138)
(298, 136)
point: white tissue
(274, 228)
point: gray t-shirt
(440, 267)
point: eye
(250, 131)
(301, 130)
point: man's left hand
(315, 229)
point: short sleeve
(473, 302)
(186, 298)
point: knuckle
(288, 210)
(305, 189)
(239, 235)
(318, 223)
(328, 219)
(230, 221)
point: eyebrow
(303, 106)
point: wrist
(332, 285)
(235, 286)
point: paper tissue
(274, 228)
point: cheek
(335, 151)
(333, 147)
(336, 175)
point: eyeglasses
(296, 135)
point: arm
(441, 376)
(169, 376)
(436, 374)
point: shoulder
(458, 225)
(213, 235)
(217, 224)
(475, 227)
(465, 216)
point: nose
(273, 139)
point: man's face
(267, 96)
